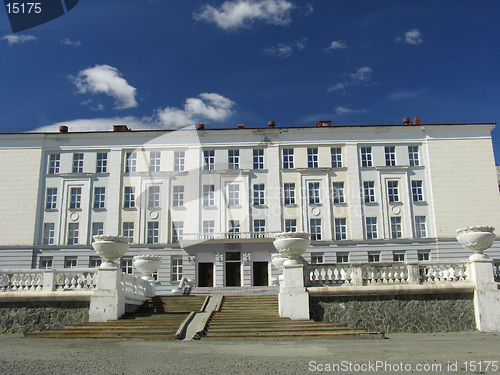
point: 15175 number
(23, 7)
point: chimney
(416, 121)
(272, 124)
(241, 126)
(324, 123)
(63, 129)
(406, 121)
(201, 126)
(120, 128)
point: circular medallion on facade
(153, 214)
(315, 211)
(396, 210)
(74, 216)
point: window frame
(129, 197)
(259, 194)
(208, 160)
(369, 191)
(420, 227)
(75, 195)
(101, 162)
(390, 156)
(315, 228)
(48, 236)
(413, 156)
(233, 198)
(233, 159)
(78, 162)
(54, 163)
(130, 162)
(179, 161)
(208, 195)
(154, 197)
(51, 199)
(336, 157)
(99, 197)
(258, 158)
(371, 228)
(289, 193)
(366, 156)
(177, 231)
(128, 228)
(393, 191)
(73, 233)
(312, 157)
(288, 162)
(153, 233)
(417, 191)
(176, 268)
(314, 192)
(340, 228)
(396, 227)
(290, 225)
(154, 161)
(338, 192)
(178, 196)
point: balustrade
(364, 274)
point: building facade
(210, 201)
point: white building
(210, 200)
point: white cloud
(411, 37)
(361, 77)
(347, 111)
(337, 44)
(107, 80)
(285, 50)
(70, 43)
(208, 106)
(406, 94)
(14, 39)
(243, 13)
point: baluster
(329, 274)
(461, 273)
(336, 274)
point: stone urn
(476, 239)
(292, 245)
(147, 265)
(277, 261)
(110, 248)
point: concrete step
(298, 335)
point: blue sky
(140, 62)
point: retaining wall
(398, 313)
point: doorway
(260, 274)
(233, 268)
(206, 275)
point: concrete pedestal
(293, 298)
(486, 295)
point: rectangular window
(54, 163)
(338, 192)
(234, 229)
(258, 194)
(73, 231)
(153, 196)
(51, 202)
(208, 229)
(126, 264)
(209, 160)
(208, 195)
(70, 262)
(129, 201)
(179, 160)
(258, 159)
(342, 257)
(315, 229)
(366, 156)
(99, 197)
(128, 231)
(153, 232)
(413, 156)
(312, 158)
(234, 159)
(291, 225)
(154, 161)
(97, 229)
(176, 268)
(416, 191)
(259, 227)
(289, 193)
(393, 191)
(314, 193)
(398, 256)
(371, 228)
(75, 198)
(423, 255)
(340, 229)
(288, 158)
(369, 191)
(48, 233)
(234, 195)
(178, 200)
(396, 228)
(317, 258)
(390, 156)
(130, 162)
(45, 263)
(102, 163)
(373, 256)
(94, 262)
(77, 163)
(177, 231)
(420, 230)
(336, 157)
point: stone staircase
(158, 318)
(256, 317)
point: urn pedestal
(476, 239)
(292, 245)
(147, 265)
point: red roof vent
(201, 126)
(272, 124)
(406, 121)
(241, 126)
(416, 121)
(324, 123)
(63, 129)
(120, 128)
